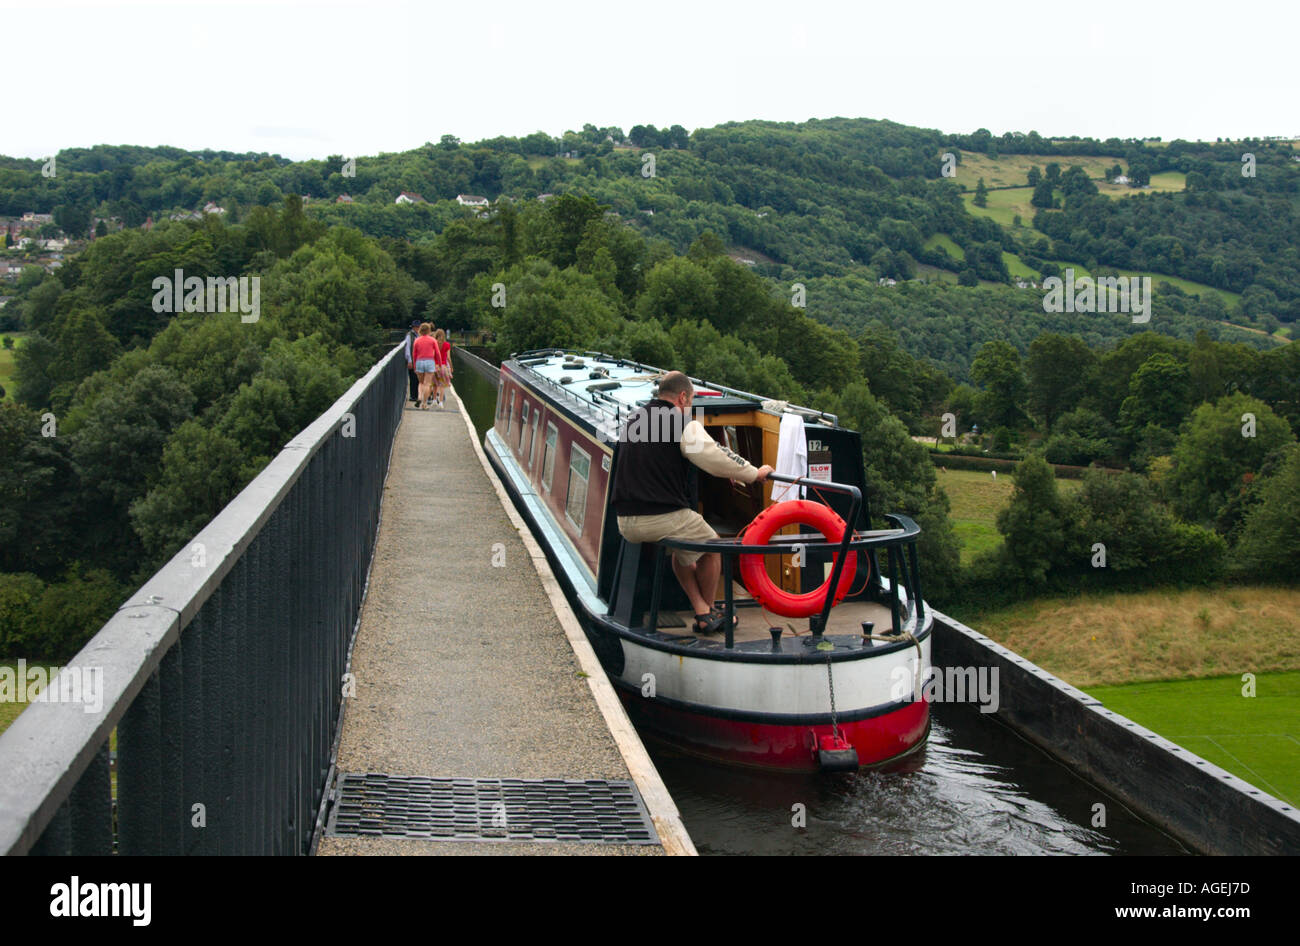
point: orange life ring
(752, 568)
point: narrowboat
(805, 680)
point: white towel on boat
(791, 457)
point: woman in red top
(424, 361)
(442, 374)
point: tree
(37, 518)
(202, 470)
(997, 367)
(1219, 447)
(1034, 176)
(1270, 539)
(1079, 438)
(1058, 370)
(1159, 394)
(678, 290)
(1043, 197)
(116, 450)
(1033, 524)
(1142, 541)
(981, 194)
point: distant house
(37, 219)
(544, 197)
(186, 216)
(471, 200)
(343, 199)
(211, 208)
(407, 197)
(1122, 179)
(886, 281)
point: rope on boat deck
(894, 639)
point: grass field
(1012, 170)
(951, 248)
(976, 498)
(1229, 299)
(1003, 206)
(1114, 638)
(7, 363)
(1017, 268)
(1256, 738)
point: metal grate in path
(594, 811)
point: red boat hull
(777, 747)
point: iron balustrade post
(203, 774)
(226, 816)
(56, 839)
(171, 709)
(139, 767)
(90, 807)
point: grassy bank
(1254, 737)
(1114, 638)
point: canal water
(976, 788)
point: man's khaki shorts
(685, 524)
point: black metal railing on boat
(899, 545)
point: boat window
(548, 457)
(575, 503)
(523, 426)
(510, 409)
(532, 438)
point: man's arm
(715, 459)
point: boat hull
(775, 746)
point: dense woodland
(162, 418)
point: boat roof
(618, 386)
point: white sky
(309, 78)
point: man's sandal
(713, 622)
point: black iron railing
(223, 674)
(899, 545)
